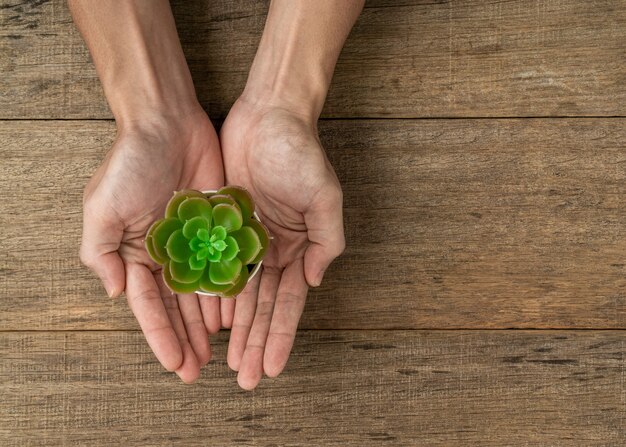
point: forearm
(298, 51)
(138, 57)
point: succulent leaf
(231, 249)
(243, 199)
(203, 235)
(176, 286)
(204, 252)
(183, 273)
(195, 206)
(248, 242)
(197, 263)
(214, 255)
(191, 227)
(225, 272)
(240, 284)
(149, 243)
(172, 206)
(154, 225)
(161, 234)
(177, 247)
(218, 233)
(264, 237)
(216, 199)
(227, 216)
(196, 244)
(209, 286)
(219, 245)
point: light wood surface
(460, 231)
(410, 59)
(356, 388)
(450, 224)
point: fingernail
(109, 289)
(319, 278)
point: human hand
(277, 156)
(128, 192)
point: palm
(138, 177)
(127, 193)
(272, 183)
(277, 156)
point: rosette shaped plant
(208, 242)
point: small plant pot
(209, 242)
(256, 267)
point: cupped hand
(150, 160)
(276, 154)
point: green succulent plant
(208, 242)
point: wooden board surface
(458, 225)
(400, 388)
(411, 59)
(449, 223)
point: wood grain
(409, 59)
(449, 223)
(487, 388)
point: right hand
(128, 192)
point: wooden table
(482, 296)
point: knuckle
(265, 309)
(290, 298)
(169, 301)
(147, 296)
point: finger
(245, 305)
(288, 308)
(227, 311)
(324, 222)
(102, 234)
(189, 370)
(251, 367)
(210, 306)
(194, 326)
(144, 300)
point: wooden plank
(449, 223)
(487, 388)
(414, 59)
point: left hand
(276, 154)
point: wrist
(139, 100)
(162, 121)
(291, 69)
(154, 85)
(296, 58)
(138, 57)
(282, 82)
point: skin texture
(303, 211)
(165, 142)
(121, 201)
(270, 145)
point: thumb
(324, 221)
(102, 235)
